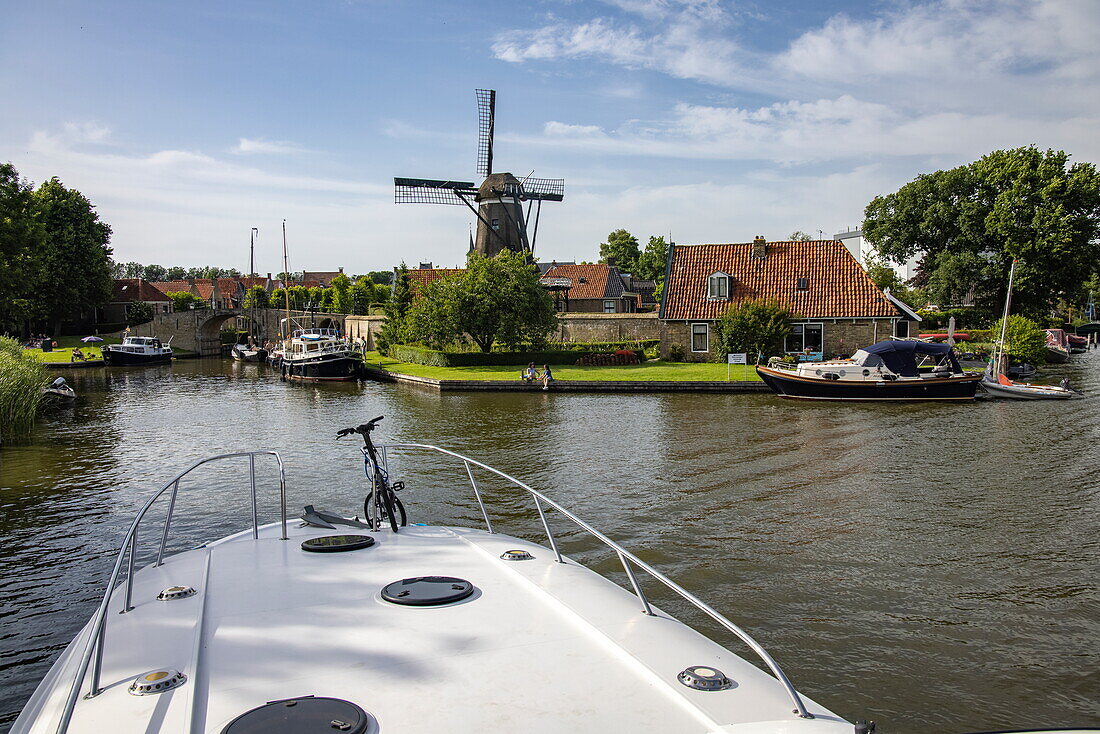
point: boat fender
(865, 727)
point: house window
(803, 283)
(901, 328)
(700, 338)
(718, 287)
(496, 224)
(609, 307)
(804, 339)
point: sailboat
(995, 382)
(250, 351)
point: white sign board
(737, 359)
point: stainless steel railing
(92, 656)
(626, 558)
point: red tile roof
(136, 289)
(173, 286)
(593, 281)
(419, 277)
(838, 285)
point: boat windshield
(900, 357)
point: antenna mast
(286, 283)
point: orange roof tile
(136, 289)
(597, 280)
(424, 276)
(838, 286)
(173, 286)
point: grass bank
(654, 370)
(92, 351)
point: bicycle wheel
(386, 514)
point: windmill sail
(486, 122)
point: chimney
(269, 276)
(341, 270)
(759, 247)
(425, 266)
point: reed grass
(21, 381)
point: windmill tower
(502, 223)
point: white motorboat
(318, 354)
(59, 389)
(137, 351)
(428, 629)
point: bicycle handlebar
(362, 429)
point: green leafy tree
(131, 270)
(299, 297)
(176, 272)
(971, 221)
(494, 300)
(256, 297)
(622, 247)
(382, 277)
(155, 273)
(139, 313)
(341, 298)
(74, 263)
(327, 297)
(317, 298)
(361, 294)
(884, 276)
(651, 263)
(394, 329)
(752, 327)
(1025, 340)
(799, 236)
(186, 301)
(21, 236)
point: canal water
(929, 566)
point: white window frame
(705, 333)
(609, 307)
(712, 279)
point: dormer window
(718, 287)
(803, 283)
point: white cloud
(247, 146)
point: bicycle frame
(372, 467)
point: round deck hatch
(337, 543)
(427, 591)
(176, 592)
(306, 715)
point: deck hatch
(304, 715)
(427, 591)
(337, 543)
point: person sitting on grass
(547, 377)
(529, 374)
(77, 355)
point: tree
(382, 277)
(651, 263)
(971, 221)
(1024, 339)
(176, 272)
(361, 294)
(74, 263)
(138, 313)
(799, 236)
(155, 273)
(256, 297)
(394, 329)
(341, 299)
(129, 270)
(497, 299)
(622, 248)
(21, 235)
(884, 276)
(753, 327)
(299, 297)
(186, 301)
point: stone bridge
(200, 330)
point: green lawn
(65, 344)
(652, 370)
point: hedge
(436, 358)
(635, 345)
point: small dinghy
(374, 626)
(59, 390)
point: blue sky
(189, 123)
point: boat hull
(807, 388)
(326, 368)
(115, 358)
(1057, 356)
(1026, 392)
(244, 354)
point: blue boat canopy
(900, 357)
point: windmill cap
(494, 184)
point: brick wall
(606, 327)
(363, 327)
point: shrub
(1024, 340)
(753, 327)
(615, 359)
(675, 353)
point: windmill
(501, 221)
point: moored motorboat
(318, 354)
(1057, 346)
(339, 625)
(59, 389)
(137, 351)
(1077, 344)
(248, 353)
(887, 370)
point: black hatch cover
(427, 591)
(337, 543)
(306, 715)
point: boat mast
(286, 289)
(1001, 368)
(252, 279)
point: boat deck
(540, 646)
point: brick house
(838, 308)
(128, 291)
(593, 288)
